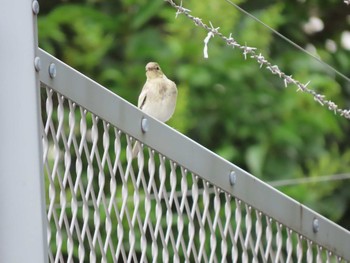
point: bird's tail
(136, 149)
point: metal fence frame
(23, 224)
(22, 201)
(197, 159)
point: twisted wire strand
(261, 60)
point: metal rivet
(315, 225)
(52, 70)
(144, 125)
(35, 7)
(37, 63)
(233, 178)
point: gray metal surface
(287, 213)
(22, 222)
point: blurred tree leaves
(226, 103)
(76, 33)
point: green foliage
(87, 30)
(226, 103)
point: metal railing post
(22, 204)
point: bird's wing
(173, 84)
(142, 97)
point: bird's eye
(157, 68)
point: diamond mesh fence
(104, 206)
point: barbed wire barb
(181, 10)
(261, 60)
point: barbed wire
(314, 56)
(262, 61)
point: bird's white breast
(161, 95)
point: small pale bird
(157, 98)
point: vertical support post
(22, 201)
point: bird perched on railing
(157, 98)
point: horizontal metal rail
(194, 157)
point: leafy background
(226, 103)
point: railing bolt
(315, 225)
(52, 70)
(35, 7)
(233, 178)
(37, 63)
(144, 125)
